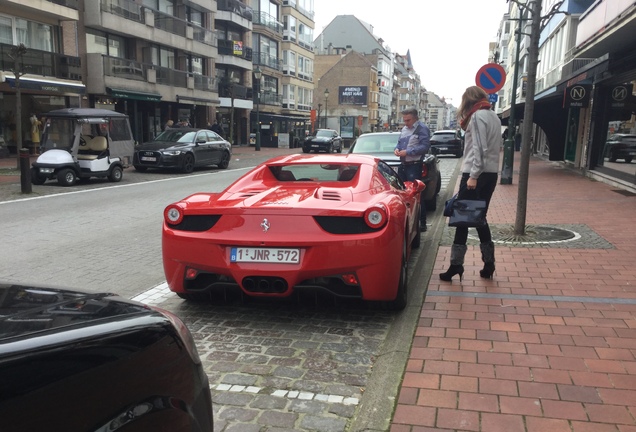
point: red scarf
(482, 104)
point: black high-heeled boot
(452, 271)
(457, 263)
(488, 257)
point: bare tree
(537, 23)
(16, 53)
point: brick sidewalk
(550, 343)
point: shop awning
(47, 84)
(134, 94)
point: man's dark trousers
(411, 171)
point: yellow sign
(238, 47)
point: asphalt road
(311, 365)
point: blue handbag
(448, 207)
(468, 213)
(465, 212)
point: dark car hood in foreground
(26, 311)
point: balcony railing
(203, 35)
(134, 70)
(172, 77)
(132, 11)
(43, 63)
(235, 6)
(205, 83)
(226, 47)
(122, 68)
(306, 42)
(236, 91)
(265, 19)
(170, 24)
(124, 8)
(265, 59)
(73, 4)
(271, 98)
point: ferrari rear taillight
(191, 273)
(375, 217)
(350, 279)
(173, 214)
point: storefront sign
(350, 95)
(619, 95)
(578, 96)
(48, 86)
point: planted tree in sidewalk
(16, 53)
(532, 9)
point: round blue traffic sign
(491, 77)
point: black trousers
(486, 184)
(412, 172)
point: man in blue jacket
(413, 144)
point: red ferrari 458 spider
(344, 224)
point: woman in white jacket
(482, 143)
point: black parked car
(326, 140)
(621, 146)
(447, 142)
(184, 149)
(77, 361)
(382, 144)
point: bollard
(25, 171)
(508, 160)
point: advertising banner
(352, 95)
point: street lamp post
(319, 119)
(326, 116)
(258, 75)
(508, 149)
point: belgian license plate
(443, 148)
(149, 159)
(265, 255)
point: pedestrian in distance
(413, 144)
(168, 125)
(216, 128)
(479, 176)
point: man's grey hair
(411, 111)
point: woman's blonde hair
(471, 96)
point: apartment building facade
(51, 62)
(346, 33)
(584, 84)
(284, 56)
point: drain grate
(578, 236)
(533, 234)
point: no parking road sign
(491, 77)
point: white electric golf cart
(79, 143)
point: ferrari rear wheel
(401, 296)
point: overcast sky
(448, 39)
